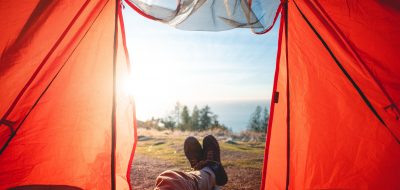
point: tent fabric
(68, 118)
(326, 133)
(334, 116)
(64, 119)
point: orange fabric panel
(32, 57)
(31, 30)
(363, 38)
(63, 118)
(336, 141)
(372, 31)
(276, 173)
(126, 119)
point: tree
(200, 120)
(205, 118)
(152, 123)
(195, 119)
(169, 123)
(265, 119)
(259, 120)
(255, 122)
(214, 120)
(185, 119)
(216, 125)
(177, 111)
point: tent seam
(114, 101)
(285, 9)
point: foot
(193, 151)
(212, 156)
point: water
(235, 114)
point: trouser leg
(203, 179)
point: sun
(154, 87)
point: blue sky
(194, 67)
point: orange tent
(66, 122)
(335, 120)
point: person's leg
(203, 179)
(212, 157)
(208, 173)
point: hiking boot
(211, 148)
(212, 156)
(193, 151)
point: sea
(236, 114)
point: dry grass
(158, 151)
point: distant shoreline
(234, 114)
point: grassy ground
(158, 151)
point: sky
(195, 67)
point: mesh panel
(211, 15)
